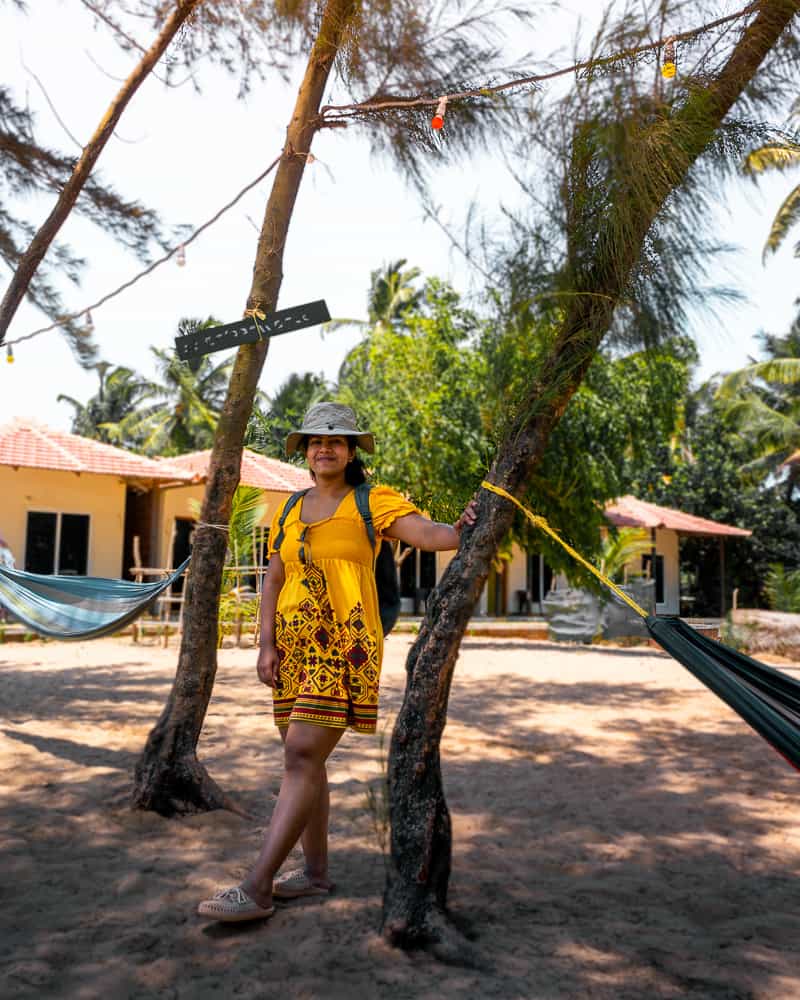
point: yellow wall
(101, 497)
(173, 502)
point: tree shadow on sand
(651, 855)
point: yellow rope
(256, 314)
(541, 523)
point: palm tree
(121, 392)
(269, 425)
(778, 156)
(762, 401)
(392, 296)
(188, 400)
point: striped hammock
(77, 607)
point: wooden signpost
(250, 329)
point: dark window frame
(59, 556)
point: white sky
(186, 155)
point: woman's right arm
(267, 664)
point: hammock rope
(767, 699)
(541, 522)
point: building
(67, 500)
(72, 505)
(174, 516)
(666, 525)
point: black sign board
(249, 330)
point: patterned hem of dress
(362, 721)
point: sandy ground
(618, 833)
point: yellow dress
(327, 627)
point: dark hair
(354, 474)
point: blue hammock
(77, 607)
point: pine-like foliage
(30, 168)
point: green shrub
(782, 588)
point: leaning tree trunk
(47, 232)
(419, 870)
(169, 777)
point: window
(538, 578)
(647, 564)
(57, 543)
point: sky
(186, 154)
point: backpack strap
(362, 503)
(291, 502)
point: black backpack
(384, 566)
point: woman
(321, 645)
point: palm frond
(772, 156)
(785, 371)
(623, 547)
(785, 218)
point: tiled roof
(30, 445)
(257, 470)
(633, 513)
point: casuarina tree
(378, 48)
(222, 31)
(630, 154)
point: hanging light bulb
(437, 122)
(180, 256)
(9, 354)
(668, 67)
(89, 321)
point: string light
(437, 121)
(337, 113)
(89, 321)
(156, 263)
(668, 68)
(341, 112)
(10, 354)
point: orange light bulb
(437, 122)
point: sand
(618, 832)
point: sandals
(230, 906)
(296, 883)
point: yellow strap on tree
(541, 523)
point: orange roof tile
(30, 445)
(257, 470)
(633, 513)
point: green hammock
(77, 607)
(766, 699)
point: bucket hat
(330, 418)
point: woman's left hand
(468, 517)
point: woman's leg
(306, 748)
(314, 838)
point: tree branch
(39, 245)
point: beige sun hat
(330, 418)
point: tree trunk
(419, 870)
(39, 245)
(169, 777)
